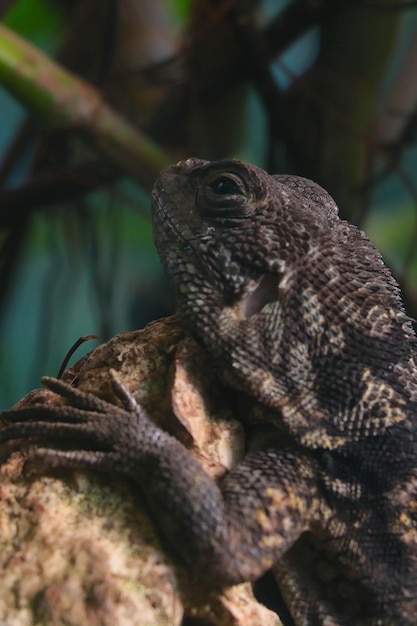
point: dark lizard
(305, 322)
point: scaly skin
(299, 313)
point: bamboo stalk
(58, 97)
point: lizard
(307, 329)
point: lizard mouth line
(163, 218)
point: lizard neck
(311, 368)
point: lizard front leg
(233, 531)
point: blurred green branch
(58, 97)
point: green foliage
(181, 8)
(40, 21)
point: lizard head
(231, 229)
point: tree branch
(58, 97)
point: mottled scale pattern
(305, 322)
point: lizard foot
(87, 432)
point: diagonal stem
(59, 97)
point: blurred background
(325, 89)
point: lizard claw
(86, 432)
(78, 398)
(121, 392)
(89, 402)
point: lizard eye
(224, 185)
(222, 196)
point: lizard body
(303, 319)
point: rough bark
(79, 548)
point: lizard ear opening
(265, 292)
